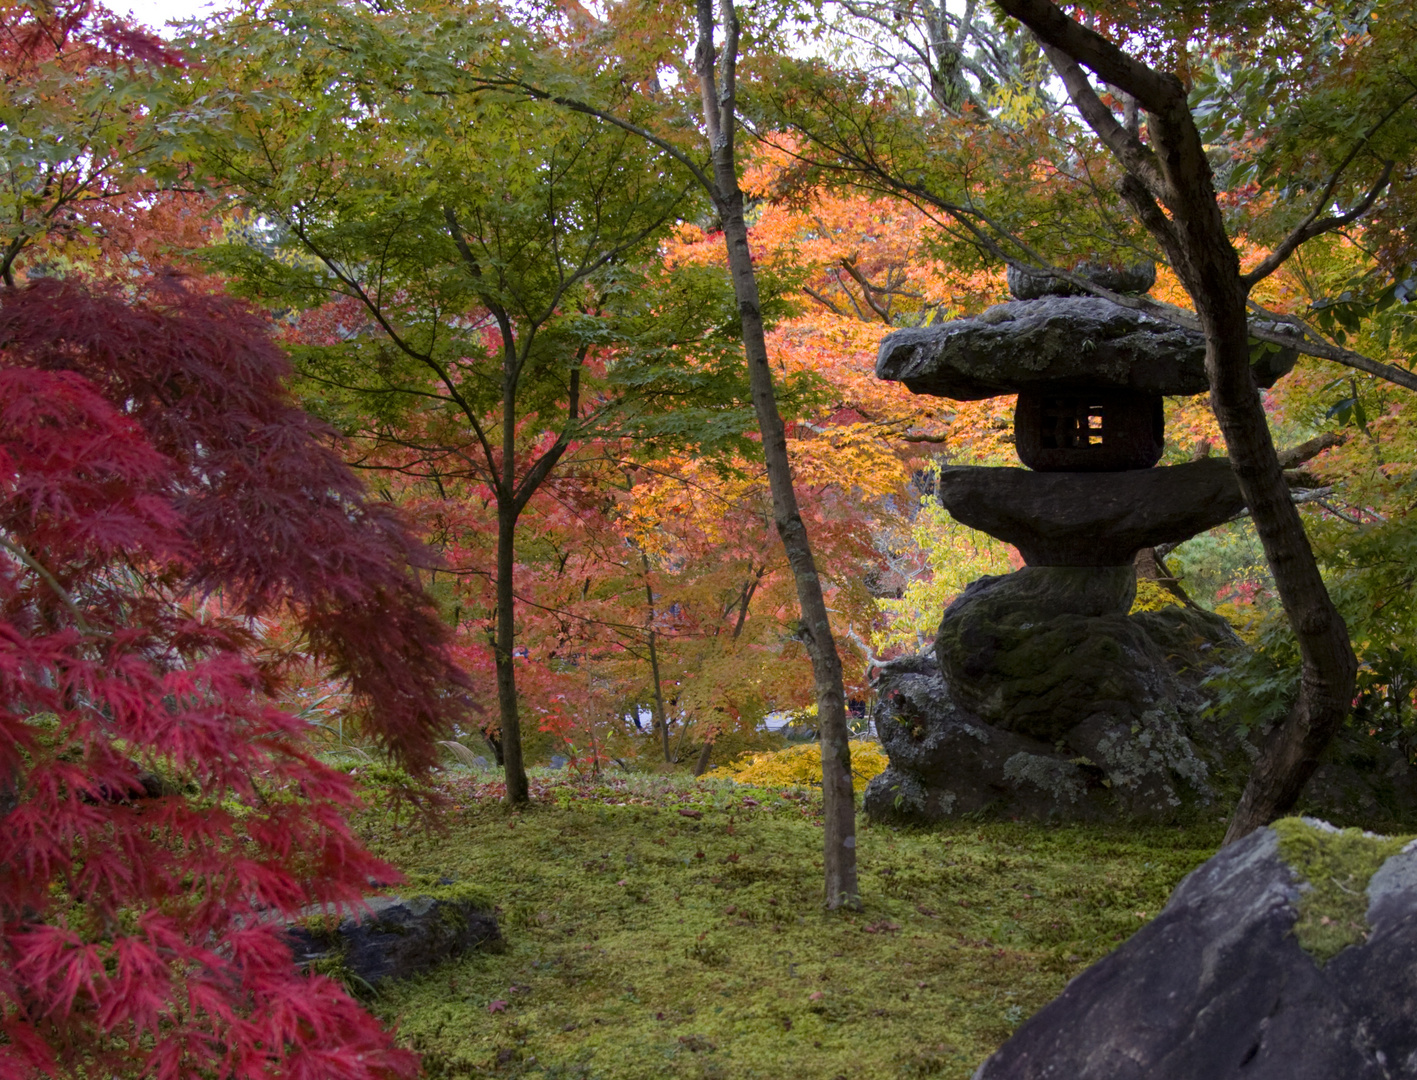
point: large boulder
(1031, 708)
(1291, 955)
(1055, 341)
(1088, 518)
(397, 937)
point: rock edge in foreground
(1219, 986)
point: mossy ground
(658, 927)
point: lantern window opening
(1072, 423)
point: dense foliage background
(371, 377)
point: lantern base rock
(1045, 700)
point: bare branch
(1311, 344)
(849, 265)
(50, 580)
(819, 298)
(1313, 225)
(586, 109)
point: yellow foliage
(801, 766)
(1244, 619)
(954, 555)
(1152, 597)
(1016, 104)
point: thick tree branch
(1154, 91)
(708, 85)
(1309, 449)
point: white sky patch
(156, 14)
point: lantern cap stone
(1137, 277)
(1053, 343)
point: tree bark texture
(661, 718)
(1170, 186)
(518, 790)
(838, 797)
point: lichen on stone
(1060, 779)
(1333, 867)
(907, 793)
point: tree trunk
(705, 755)
(838, 798)
(1290, 751)
(518, 791)
(661, 718)
(1209, 267)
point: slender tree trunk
(705, 755)
(839, 803)
(518, 790)
(661, 718)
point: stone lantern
(1044, 697)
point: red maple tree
(161, 493)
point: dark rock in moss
(397, 938)
(1362, 780)
(1219, 985)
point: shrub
(801, 766)
(159, 494)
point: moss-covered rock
(1047, 700)
(397, 937)
(1334, 867)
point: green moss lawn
(658, 927)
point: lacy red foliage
(158, 490)
(81, 30)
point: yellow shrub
(1152, 597)
(801, 766)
